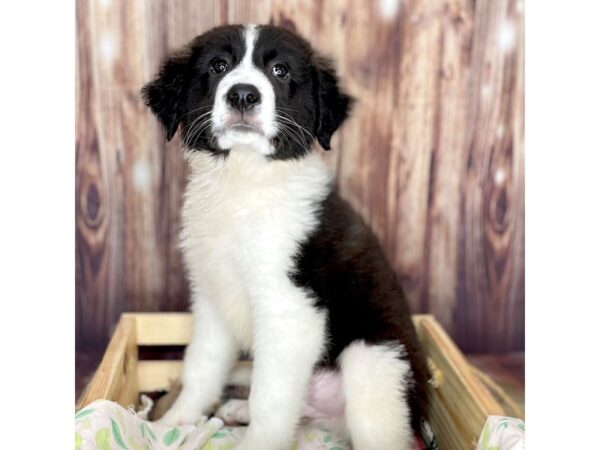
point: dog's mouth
(240, 126)
(245, 127)
(243, 130)
(246, 122)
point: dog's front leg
(288, 340)
(209, 357)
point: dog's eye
(219, 66)
(280, 70)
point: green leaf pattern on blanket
(103, 439)
(211, 445)
(219, 435)
(83, 413)
(78, 441)
(171, 436)
(117, 435)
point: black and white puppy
(279, 265)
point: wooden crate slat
(157, 375)
(460, 404)
(116, 377)
(447, 433)
(162, 328)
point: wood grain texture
(432, 157)
(116, 377)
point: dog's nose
(243, 97)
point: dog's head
(248, 85)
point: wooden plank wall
(432, 157)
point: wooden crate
(459, 401)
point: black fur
(343, 264)
(164, 94)
(312, 96)
(185, 88)
(333, 105)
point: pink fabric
(325, 398)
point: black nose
(243, 97)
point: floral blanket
(105, 425)
(502, 433)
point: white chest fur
(243, 220)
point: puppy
(280, 266)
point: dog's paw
(234, 412)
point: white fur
(208, 359)
(374, 383)
(243, 219)
(263, 114)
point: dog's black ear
(333, 104)
(164, 94)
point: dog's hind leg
(375, 382)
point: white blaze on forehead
(250, 34)
(264, 113)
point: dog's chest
(249, 202)
(244, 218)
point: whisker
(293, 122)
(197, 119)
(292, 134)
(286, 134)
(197, 132)
(297, 125)
(301, 129)
(287, 109)
(191, 130)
